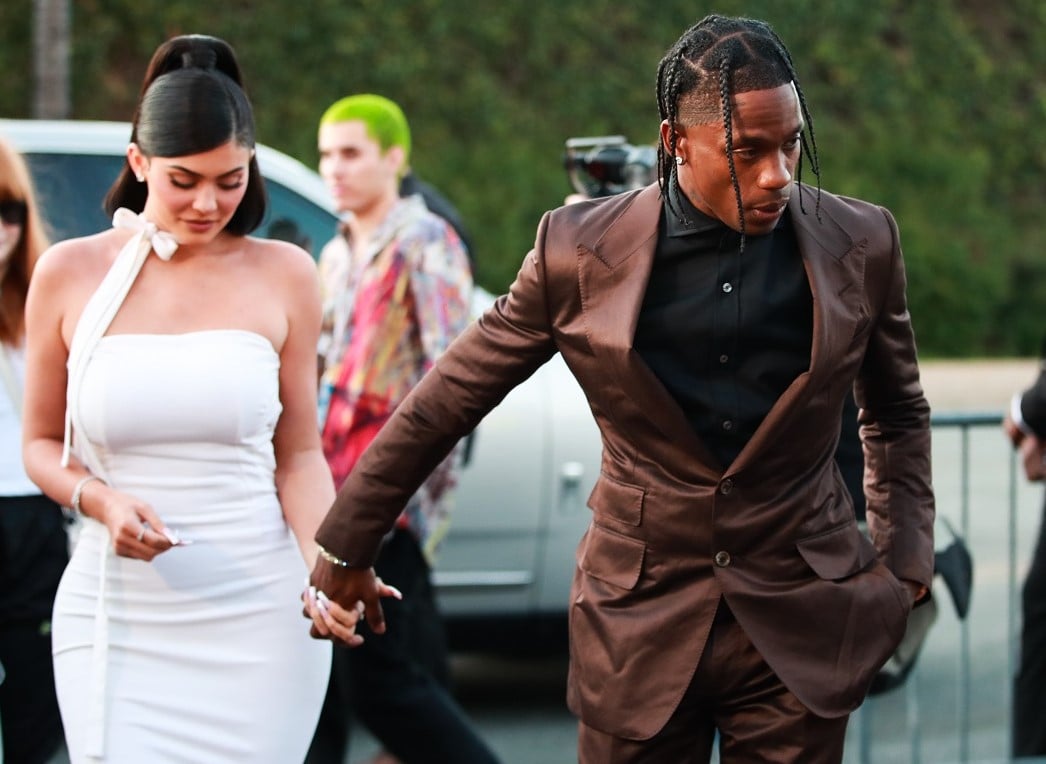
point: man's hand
(916, 591)
(342, 597)
(1032, 455)
(1013, 432)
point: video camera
(608, 164)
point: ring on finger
(141, 534)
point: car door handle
(570, 476)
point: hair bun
(199, 57)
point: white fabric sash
(97, 315)
(102, 308)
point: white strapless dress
(202, 655)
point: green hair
(383, 119)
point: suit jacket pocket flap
(617, 501)
(837, 553)
(613, 558)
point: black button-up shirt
(725, 333)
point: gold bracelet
(333, 560)
(78, 490)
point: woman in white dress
(174, 356)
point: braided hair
(697, 78)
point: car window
(292, 217)
(71, 187)
(70, 190)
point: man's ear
(397, 157)
(666, 135)
(667, 128)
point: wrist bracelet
(333, 560)
(78, 490)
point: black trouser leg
(1029, 697)
(33, 555)
(1029, 689)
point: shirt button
(726, 486)
(724, 358)
(728, 287)
(728, 425)
(722, 559)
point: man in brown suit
(717, 321)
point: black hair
(193, 100)
(713, 60)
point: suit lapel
(833, 270)
(613, 274)
(614, 271)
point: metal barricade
(955, 705)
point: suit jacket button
(722, 559)
(726, 486)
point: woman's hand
(329, 619)
(353, 592)
(135, 528)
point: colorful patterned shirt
(390, 309)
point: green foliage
(930, 109)
(16, 55)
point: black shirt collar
(696, 221)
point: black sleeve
(1033, 405)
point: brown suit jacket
(774, 533)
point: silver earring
(139, 177)
(679, 160)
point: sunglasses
(12, 212)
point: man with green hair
(396, 284)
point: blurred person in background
(716, 321)
(396, 284)
(1025, 425)
(171, 400)
(437, 202)
(33, 540)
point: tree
(51, 59)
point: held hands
(338, 598)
